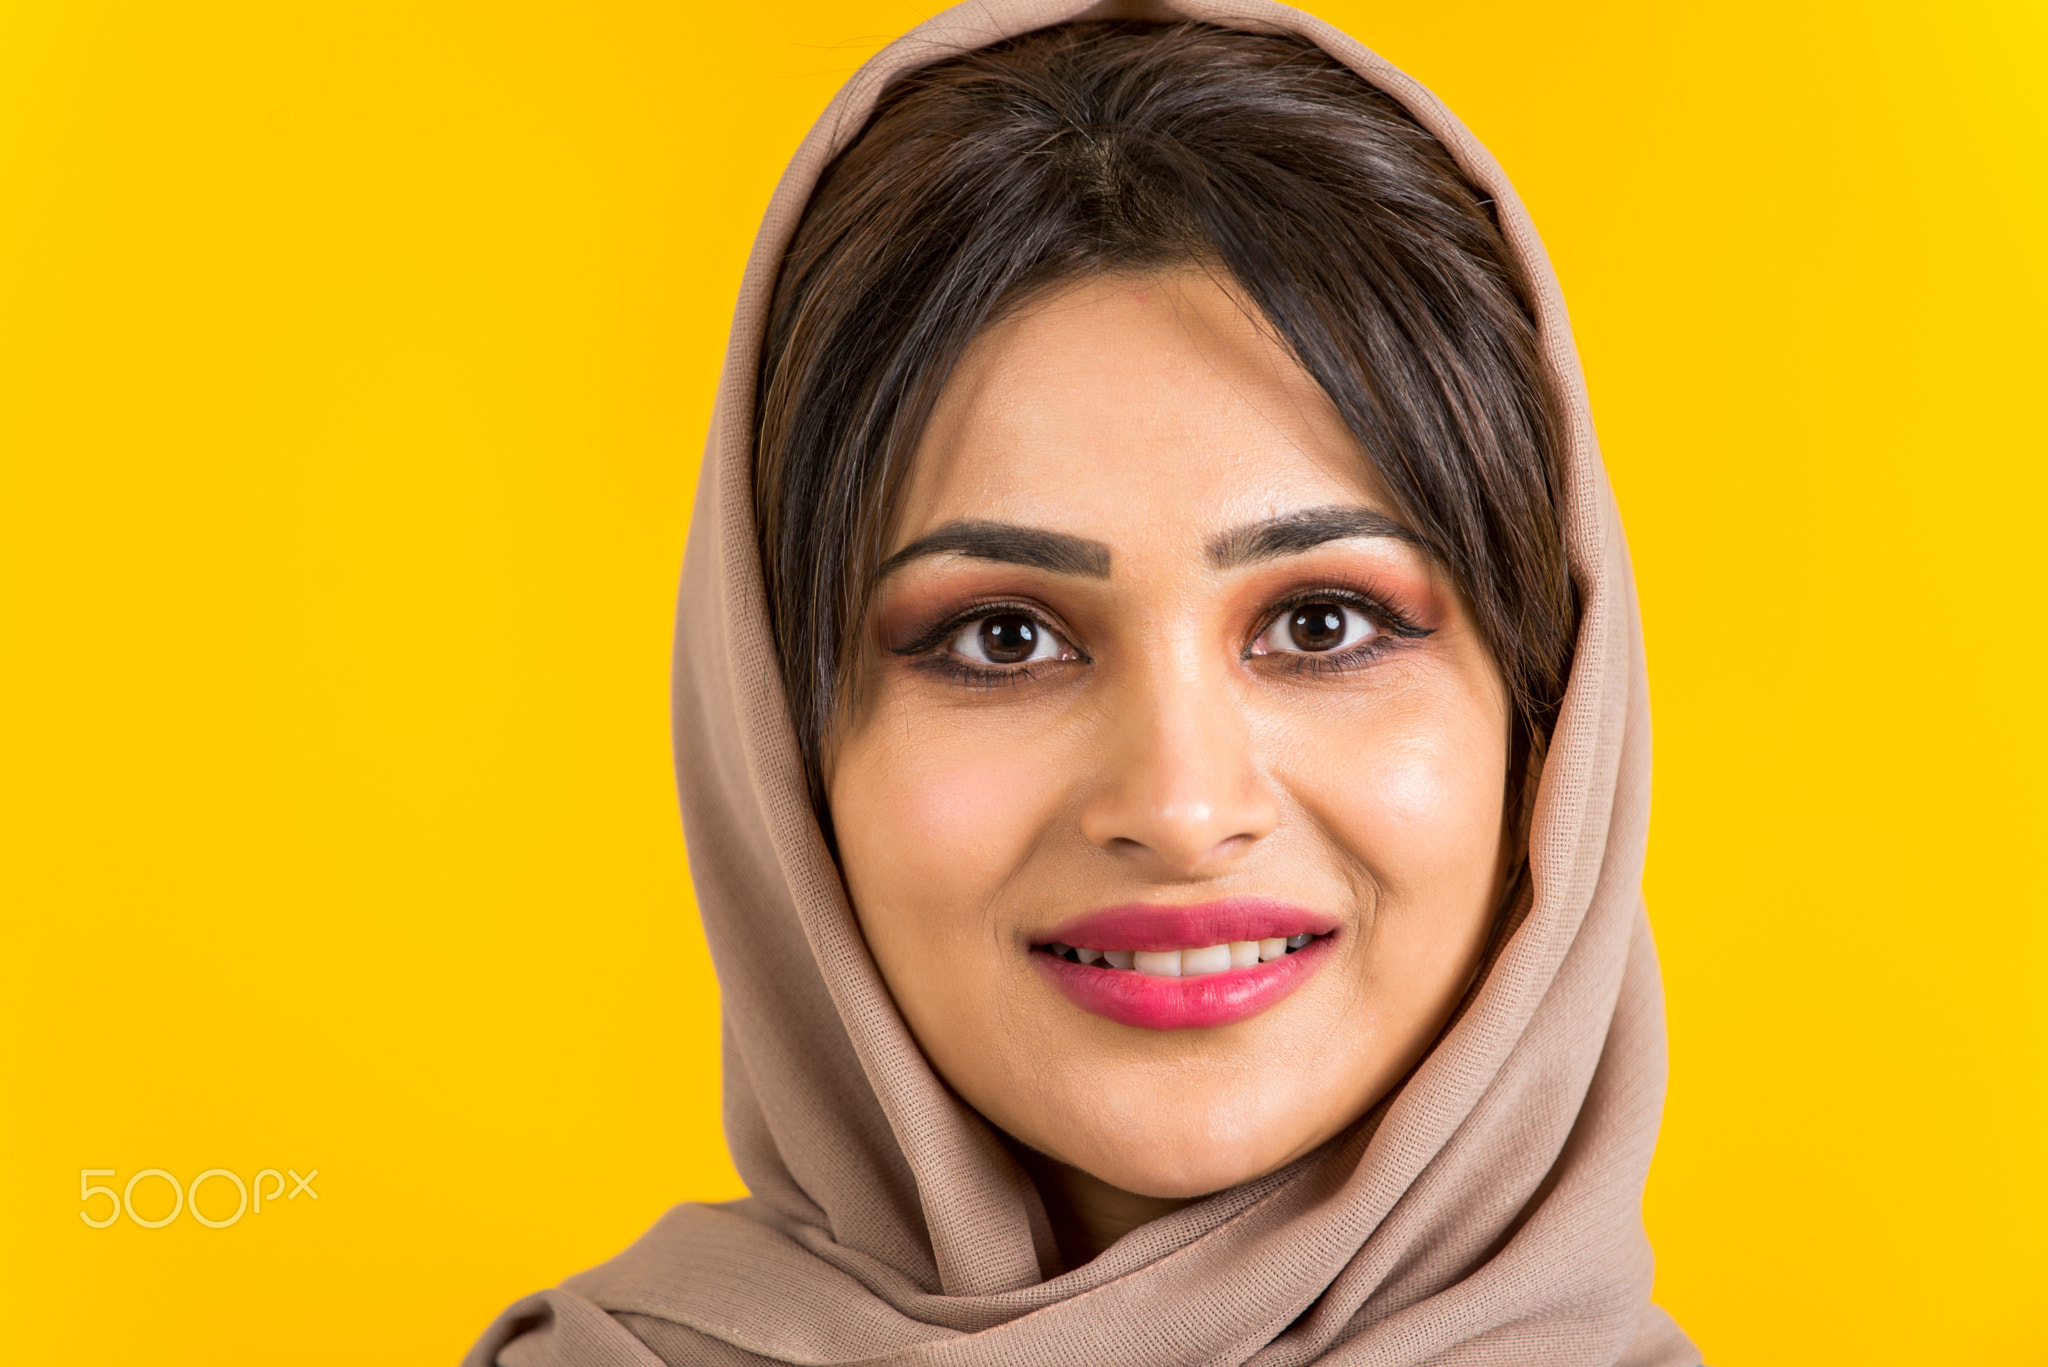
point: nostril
(1184, 799)
(1190, 854)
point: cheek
(933, 830)
(931, 826)
(1416, 799)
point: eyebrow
(1296, 532)
(1055, 552)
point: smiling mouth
(1196, 962)
(1185, 967)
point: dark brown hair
(1102, 147)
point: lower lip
(1151, 1003)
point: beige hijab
(1490, 1212)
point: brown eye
(1314, 629)
(1319, 626)
(1009, 638)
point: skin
(1174, 746)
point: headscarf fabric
(1488, 1212)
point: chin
(1177, 1176)
(1183, 1154)
(1188, 1184)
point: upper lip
(1143, 925)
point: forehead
(1122, 406)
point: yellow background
(354, 359)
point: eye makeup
(1392, 629)
(927, 646)
(928, 649)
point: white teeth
(1186, 963)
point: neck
(1087, 1213)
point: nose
(1178, 786)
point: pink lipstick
(1184, 967)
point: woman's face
(1155, 678)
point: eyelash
(924, 651)
(928, 654)
(1394, 628)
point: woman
(1162, 737)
